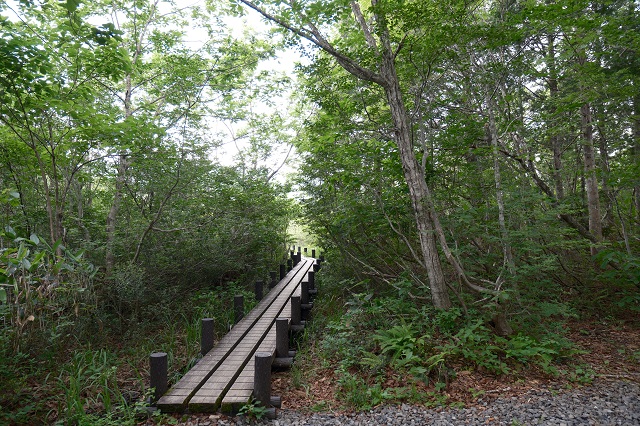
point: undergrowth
(104, 380)
(393, 346)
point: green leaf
(34, 238)
(9, 232)
(38, 257)
(72, 5)
(3, 295)
(23, 252)
(58, 245)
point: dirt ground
(612, 350)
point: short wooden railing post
(295, 310)
(262, 382)
(238, 305)
(305, 303)
(274, 280)
(206, 336)
(313, 253)
(282, 337)
(311, 276)
(289, 264)
(283, 271)
(158, 374)
(284, 357)
(259, 290)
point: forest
(470, 170)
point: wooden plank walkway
(226, 371)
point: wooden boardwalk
(223, 378)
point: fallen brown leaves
(612, 351)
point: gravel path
(603, 403)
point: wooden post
(304, 292)
(305, 251)
(313, 253)
(289, 264)
(238, 305)
(262, 382)
(283, 271)
(274, 280)
(295, 310)
(282, 337)
(206, 336)
(305, 303)
(299, 249)
(311, 276)
(316, 267)
(158, 372)
(259, 290)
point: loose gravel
(602, 403)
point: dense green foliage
(118, 229)
(390, 346)
(502, 97)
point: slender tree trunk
(493, 135)
(636, 155)
(591, 179)
(418, 189)
(113, 214)
(53, 233)
(555, 139)
(609, 196)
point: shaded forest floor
(611, 351)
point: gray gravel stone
(602, 403)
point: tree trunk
(591, 180)
(418, 189)
(636, 155)
(555, 139)
(113, 214)
(504, 234)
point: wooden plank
(241, 390)
(245, 336)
